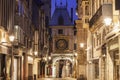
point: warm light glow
(116, 28)
(30, 59)
(104, 55)
(73, 59)
(90, 62)
(81, 45)
(16, 26)
(49, 58)
(107, 21)
(11, 38)
(35, 52)
(45, 58)
(76, 54)
(3, 40)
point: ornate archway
(57, 65)
(63, 58)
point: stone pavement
(57, 78)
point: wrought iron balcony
(104, 11)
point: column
(8, 62)
(19, 69)
(25, 67)
(12, 65)
(119, 51)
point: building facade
(82, 25)
(23, 55)
(62, 42)
(15, 20)
(103, 41)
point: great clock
(61, 44)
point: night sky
(71, 4)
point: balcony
(104, 11)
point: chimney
(71, 14)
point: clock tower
(62, 33)
(62, 30)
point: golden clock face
(61, 44)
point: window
(60, 31)
(86, 20)
(93, 7)
(60, 20)
(86, 10)
(75, 46)
(86, 3)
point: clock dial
(61, 44)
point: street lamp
(49, 57)
(107, 21)
(35, 53)
(11, 38)
(81, 45)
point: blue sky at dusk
(71, 4)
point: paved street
(56, 79)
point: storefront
(5, 63)
(30, 68)
(113, 59)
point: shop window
(86, 10)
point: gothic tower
(62, 33)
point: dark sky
(71, 4)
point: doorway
(30, 72)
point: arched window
(60, 20)
(86, 10)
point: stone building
(81, 36)
(19, 58)
(103, 41)
(63, 39)
(15, 19)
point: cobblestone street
(56, 79)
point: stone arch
(62, 58)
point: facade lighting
(11, 38)
(81, 45)
(35, 53)
(107, 21)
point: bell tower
(62, 29)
